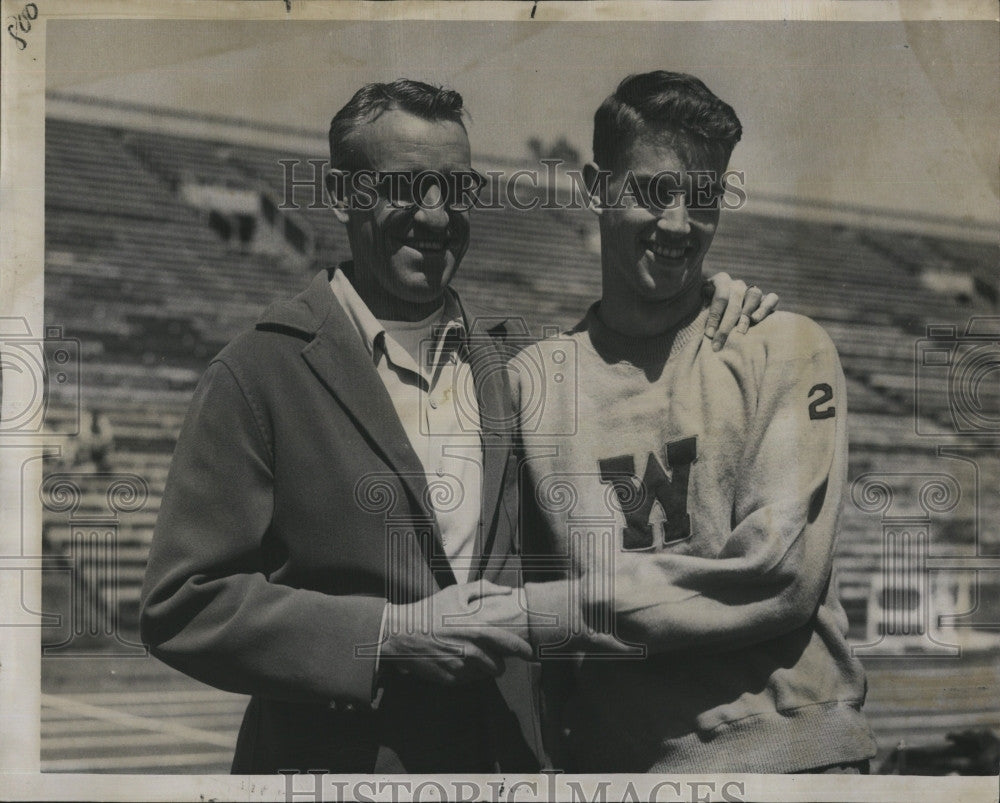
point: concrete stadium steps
(864, 400)
(942, 253)
(197, 328)
(936, 400)
(150, 377)
(73, 224)
(80, 156)
(891, 427)
(144, 436)
(919, 700)
(103, 588)
(136, 422)
(193, 160)
(263, 162)
(140, 522)
(167, 409)
(169, 253)
(537, 265)
(892, 348)
(157, 731)
(819, 264)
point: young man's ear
(336, 185)
(591, 174)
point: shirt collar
(367, 325)
(450, 333)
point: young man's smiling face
(654, 247)
(405, 257)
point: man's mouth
(668, 250)
(426, 245)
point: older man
(332, 521)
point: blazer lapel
(342, 363)
(496, 413)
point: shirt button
(439, 471)
(433, 403)
(333, 705)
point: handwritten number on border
(22, 22)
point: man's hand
(508, 611)
(458, 635)
(734, 305)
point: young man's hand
(734, 306)
(458, 635)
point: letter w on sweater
(637, 497)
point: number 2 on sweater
(825, 395)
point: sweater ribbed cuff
(781, 742)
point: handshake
(464, 632)
(458, 635)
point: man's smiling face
(656, 249)
(405, 257)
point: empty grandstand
(159, 247)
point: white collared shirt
(424, 369)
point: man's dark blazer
(295, 506)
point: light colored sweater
(696, 495)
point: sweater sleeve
(775, 563)
(208, 607)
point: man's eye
(703, 200)
(400, 193)
(662, 193)
(703, 196)
(464, 189)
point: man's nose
(431, 211)
(674, 220)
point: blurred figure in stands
(95, 443)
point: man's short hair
(702, 125)
(426, 101)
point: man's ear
(591, 174)
(336, 185)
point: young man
(303, 552)
(698, 497)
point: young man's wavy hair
(699, 125)
(429, 102)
